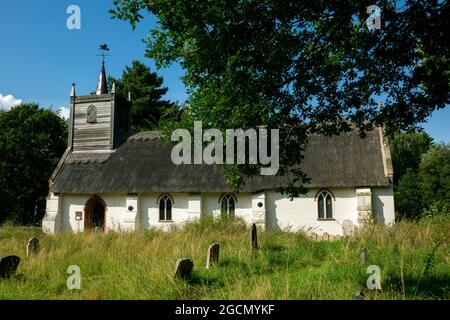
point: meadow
(414, 259)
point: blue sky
(40, 57)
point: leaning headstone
(33, 247)
(348, 228)
(8, 266)
(363, 255)
(183, 268)
(213, 255)
(254, 237)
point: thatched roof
(143, 164)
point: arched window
(325, 204)
(91, 114)
(165, 208)
(227, 205)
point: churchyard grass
(414, 259)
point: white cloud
(64, 112)
(7, 102)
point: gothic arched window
(227, 205)
(165, 208)
(325, 204)
(91, 114)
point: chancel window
(165, 208)
(325, 205)
(227, 205)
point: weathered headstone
(363, 255)
(254, 237)
(326, 236)
(348, 228)
(183, 268)
(8, 266)
(213, 255)
(314, 236)
(33, 246)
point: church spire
(102, 87)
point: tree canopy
(148, 108)
(32, 140)
(302, 66)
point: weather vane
(103, 49)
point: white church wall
(383, 205)
(280, 212)
(301, 213)
(150, 210)
(211, 205)
(115, 211)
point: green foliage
(413, 258)
(425, 190)
(148, 108)
(32, 141)
(302, 66)
(407, 149)
(409, 199)
(435, 176)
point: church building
(110, 179)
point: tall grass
(413, 258)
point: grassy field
(414, 259)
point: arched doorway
(95, 214)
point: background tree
(32, 141)
(425, 188)
(148, 107)
(435, 177)
(302, 66)
(407, 149)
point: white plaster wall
(301, 213)
(281, 213)
(115, 211)
(243, 208)
(150, 210)
(383, 205)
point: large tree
(32, 141)
(148, 108)
(407, 149)
(302, 66)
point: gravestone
(213, 255)
(183, 268)
(33, 246)
(314, 236)
(363, 255)
(326, 236)
(8, 266)
(348, 228)
(254, 237)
